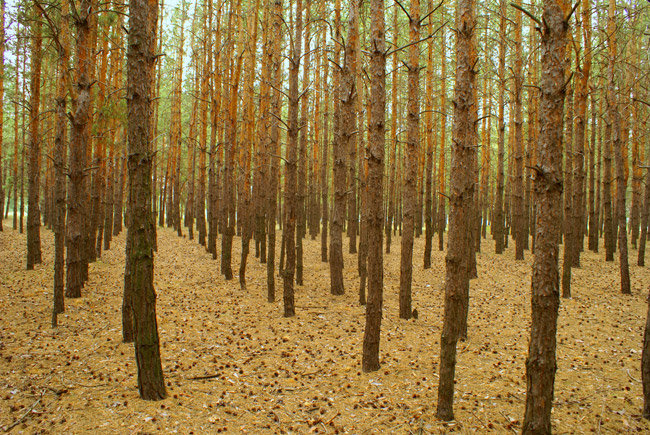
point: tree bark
(291, 167)
(461, 199)
(412, 148)
(143, 17)
(375, 158)
(33, 209)
(545, 300)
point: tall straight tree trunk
(342, 134)
(291, 167)
(498, 221)
(203, 137)
(246, 212)
(593, 212)
(324, 185)
(429, 196)
(412, 146)
(2, 91)
(518, 190)
(33, 209)
(582, 96)
(301, 216)
(545, 299)
(569, 186)
(644, 217)
(375, 158)
(274, 145)
(362, 258)
(60, 162)
(143, 18)
(618, 142)
(229, 206)
(99, 162)
(607, 176)
(461, 199)
(352, 59)
(442, 218)
(16, 123)
(80, 144)
(394, 113)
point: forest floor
(303, 374)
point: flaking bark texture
(60, 161)
(375, 158)
(547, 184)
(33, 209)
(411, 170)
(498, 220)
(289, 231)
(140, 66)
(461, 199)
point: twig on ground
(23, 417)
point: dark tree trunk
(545, 300)
(60, 162)
(461, 199)
(290, 212)
(412, 151)
(140, 64)
(33, 210)
(375, 192)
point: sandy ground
(303, 374)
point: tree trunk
(2, 91)
(442, 219)
(301, 216)
(518, 190)
(291, 168)
(60, 162)
(498, 221)
(33, 210)
(143, 18)
(410, 179)
(461, 199)
(375, 158)
(324, 185)
(429, 196)
(545, 300)
(274, 145)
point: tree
(60, 161)
(33, 209)
(461, 197)
(2, 92)
(375, 191)
(140, 66)
(617, 143)
(547, 185)
(343, 131)
(498, 220)
(518, 200)
(80, 145)
(291, 166)
(412, 146)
